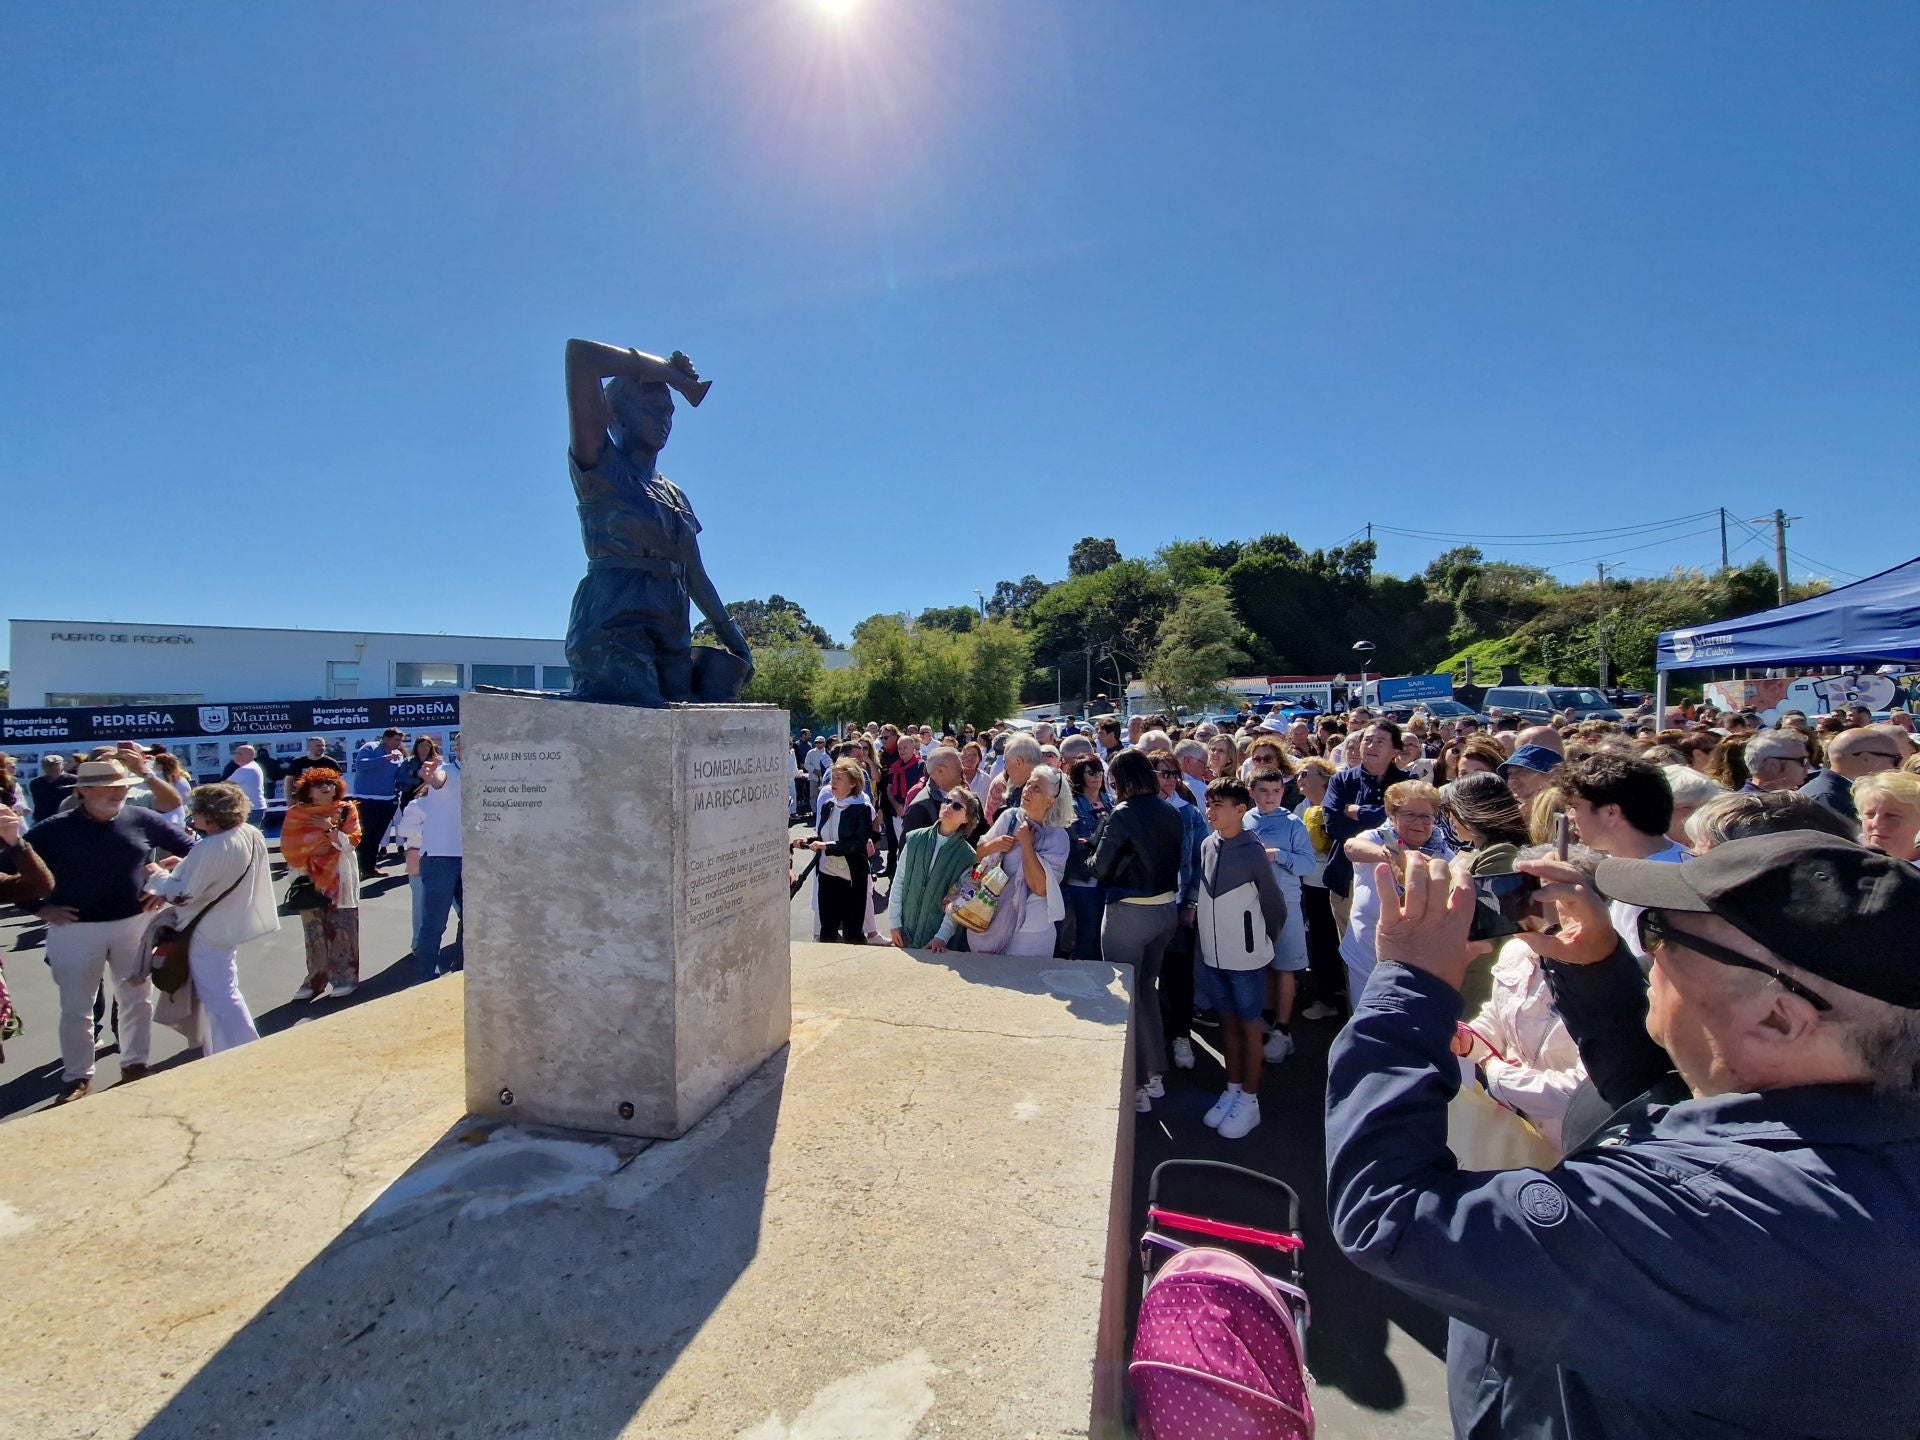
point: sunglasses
(1168, 774)
(1657, 931)
(951, 804)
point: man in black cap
(1731, 1253)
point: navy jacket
(1833, 791)
(1354, 786)
(1741, 1265)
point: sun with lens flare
(836, 9)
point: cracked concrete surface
(905, 1215)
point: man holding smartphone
(1730, 1253)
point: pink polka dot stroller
(1220, 1351)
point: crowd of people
(109, 845)
(1628, 1083)
(1628, 1076)
(1110, 858)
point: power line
(1512, 542)
(1630, 549)
(1812, 563)
(1567, 537)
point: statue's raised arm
(628, 640)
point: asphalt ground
(271, 969)
(1374, 1353)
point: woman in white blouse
(225, 878)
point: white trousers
(225, 1020)
(79, 955)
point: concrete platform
(904, 1224)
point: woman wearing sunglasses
(931, 864)
(1088, 779)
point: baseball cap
(1534, 757)
(1833, 908)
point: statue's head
(642, 413)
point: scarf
(838, 866)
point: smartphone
(1562, 834)
(1502, 904)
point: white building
(65, 664)
(151, 682)
(137, 678)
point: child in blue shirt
(1290, 848)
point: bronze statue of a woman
(628, 640)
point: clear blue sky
(973, 279)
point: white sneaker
(305, 992)
(1278, 1047)
(1222, 1108)
(1242, 1118)
(1155, 1088)
(1319, 1010)
(340, 992)
(1182, 1053)
(1141, 1103)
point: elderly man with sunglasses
(1731, 1253)
(1852, 755)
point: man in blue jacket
(1732, 1253)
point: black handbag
(302, 894)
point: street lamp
(1363, 649)
(983, 601)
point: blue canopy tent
(1869, 622)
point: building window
(507, 677)
(556, 677)
(57, 700)
(343, 679)
(409, 675)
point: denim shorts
(1239, 993)
(1290, 946)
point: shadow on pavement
(511, 1282)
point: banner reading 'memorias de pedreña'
(236, 717)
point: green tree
(1197, 562)
(786, 667)
(1097, 622)
(958, 618)
(1091, 556)
(1012, 599)
(768, 620)
(1197, 650)
(926, 676)
(998, 662)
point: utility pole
(1780, 550)
(1369, 532)
(1723, 537)
(1600, 629)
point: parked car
(1445, 711)
(1543, 702)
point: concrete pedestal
(626, 909)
